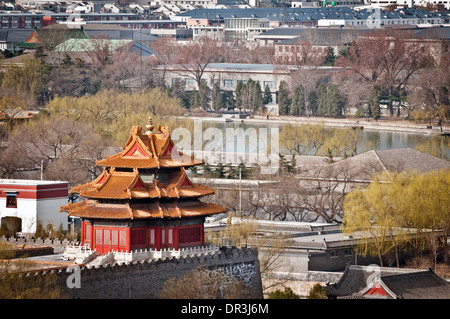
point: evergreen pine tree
(240, 94)
(298, 101)
(216, 98)
(374, 102)
(283, 98)
(257, 102)
(228, 100)
(204, 95)
(330, 57)
(333, 101)
(312, 102)
(267, 95)
(321, 100)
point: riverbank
(370, 124)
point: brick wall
(145, 279)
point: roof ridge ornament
(149, 126)
(136, 130)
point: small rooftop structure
(389, 283)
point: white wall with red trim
(37, 202)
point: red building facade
(143, 199)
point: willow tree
(427, 205)
(398, 209)
(21, 87)
(109, 113)
(316, 139)
(371, 214)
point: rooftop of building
(29, 182)
(363, 167)
(402, 283)
(309, 14)
(333, 36)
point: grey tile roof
(418, 285)
(364, 166)
(409, 159)
(341, 36)
(15, 35)
(355, 278)
(405, 283)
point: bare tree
(431, 93)
(98, 49)
(390, 56)
(55, 142)
(166, 49)
(123, 64)
(204, 283)
(194, 57)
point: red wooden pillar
(158, 238)
(128, 241)
(202, 234)
(93, 238)
(175, 238)
(83, 232)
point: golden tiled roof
(129, 185)
(93, 209)
(149, 150)
(145, 195)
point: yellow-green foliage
(316, 139)
(233, 234)
(25, 78)
(407, 205)
(14, 284)
(111, 113)
(437, 145)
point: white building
(411, 3)
(25, 203)
(227, 76)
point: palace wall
(145, 279)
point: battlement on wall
(145, 278)
(58, 244)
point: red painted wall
(36, 191)
(105, 239)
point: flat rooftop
(29, 182)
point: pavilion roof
(130, 185)
(149, 150)
(92, 209)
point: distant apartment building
(440, 4)
(31, 20)
(289, 42)
(227, 76)
(203, 3)
(249, 24)
(331, 3)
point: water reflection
(382, 140)
(240, 137)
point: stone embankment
(371, 124)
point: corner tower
(143, 199)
